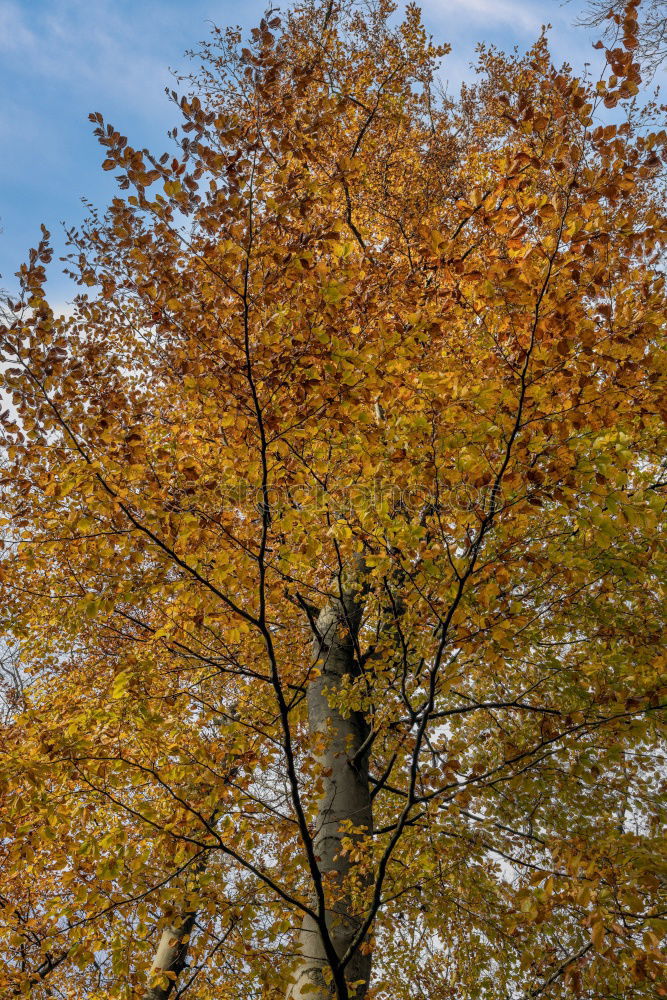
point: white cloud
(15, 36)
(88, 46)
(526, 17)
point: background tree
(335, 551)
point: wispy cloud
(88, 46)
(15, 35)
(524, 16)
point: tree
(335, 551)
(644, 25)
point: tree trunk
(346, 796)
(170, 957)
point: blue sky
(61, 59)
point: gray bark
(346, 796)
(172, 951)
(170, 956)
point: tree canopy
(334, 550)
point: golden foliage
(350, 318)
